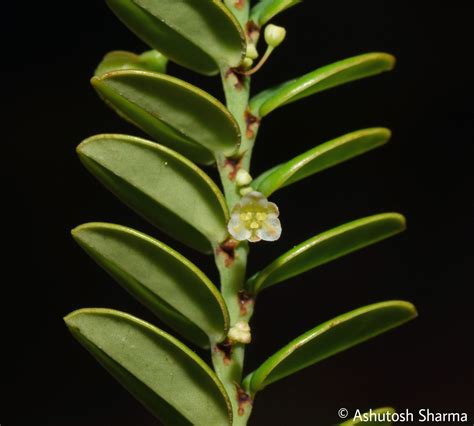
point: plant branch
(231, 256)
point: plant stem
(240, 9)
(231, 256)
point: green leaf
(327, 246)
(172, 111)
(161, 185)
(378, 413)
(321, 79)
(161, 372)
(320, 158)
(200, 35)
(265, 10)
(172, 287)
(122, 60)
(330, 338)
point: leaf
(200, 35)
(329, 76)
(122, 60)
(161, 372)
(161, 185)
(172, 111)
(265, 10)
(170, 285)
(330, 338)
(379, 412)
(320, 158)
(327, 246)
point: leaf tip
(70, 318)
(410, 308)
(81, 147)
(400, 219)
(385, 133)
(95, 79)
(77, 232)
(390, 60)
(397, 220)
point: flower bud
(274, 35)
(251, 51)
(240, 333)
(247, 63)
(245, 190)
(243, 178)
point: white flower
(254, 218)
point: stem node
(246, 301)
(225, 349)
(236, 78)
(244, 400)
(227, 249)
(252, 122)
(234, 164)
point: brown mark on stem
(237, 79)
(245, 301)
(234, 164)
(227, 249)
(252, 124)
(243, 399)
(239, 4)
(253, 31)
(225, 348)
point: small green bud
(251, 51)
(245, 190)
(274, 35)
(247, 63)
(243, 178)
(240, 333)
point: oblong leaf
(162, 373)
(199, 34)
(320, 158)
(172, 287)
(123, 60)
(330, 338)
(265, 10)
(161, 185)
(173, 112)
(328, 246)
(321, 79)
(379, 413)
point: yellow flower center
(253, 219)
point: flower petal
(237, 229)
(270, 230)
(254, 237)
(253, 197)
(272, 209)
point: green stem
(231, 259)
(240, 9)
(231, 256)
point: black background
(49, 53)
